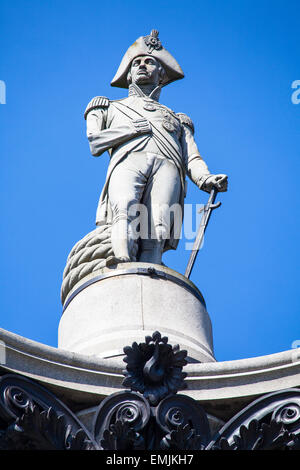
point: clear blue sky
(240, 59)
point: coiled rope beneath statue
(88, 255)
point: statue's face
(145, 70)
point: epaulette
(97, 102)
(184, 119)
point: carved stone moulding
(150, 416)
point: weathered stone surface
(152, 150)
(124, 304)
(222, 387)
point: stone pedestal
(115, 306)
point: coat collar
(134, 90)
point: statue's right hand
(142, 125)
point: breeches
(145, 189)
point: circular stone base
(113, 307)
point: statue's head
(145, 70)
(146, 59)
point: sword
(207, 210)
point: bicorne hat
(148, 45)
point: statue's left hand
(219, 181)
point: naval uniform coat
(113, 126)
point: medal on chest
(149, 106)
(169, 122)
